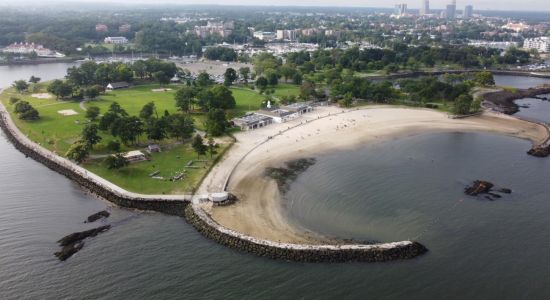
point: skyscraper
(468, 12)
(401, 9)
(451, 10)
(425, 9)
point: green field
(135, 177)
(57, 132)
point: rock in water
(479, 187)
(72, 243)
(97, 216)
(69, 250)
(539, 151)
(79, 236)
(505, 191)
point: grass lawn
(247, 100)
(135, 177)
(57, 132)
(285, 89)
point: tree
(211, 147)
(90, 135)
(156, 129)
(78, 151)
(261, 83)
(307, 90)
(484, 78)
(34, 80)
(20, 86)
(347, 100)
(25, 111)
(203, 79)
(147, 111)
(272, 76)
(463, 104)
(128, 129)
(198, 145)
(161, 77)
(245, 73)
(113, 146)
(222, 97)
(92, 92)
(116, 161)
(216, 122)
(297, 78)
(185, 98)
(60, 89)
(229, 76)
(181, 126)
(92, 113)
(288, 71)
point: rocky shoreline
(504, 101)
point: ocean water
(404, 188)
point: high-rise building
(401, 9)
(468, 12)
(450, 12)
(425, 9)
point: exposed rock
(485, 188)
(69, 250)
(479, 187)
(285, 176)
(97, 216)
(503, 101)
(539, 151)
(72, 243)
(79, 236)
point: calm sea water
(398, 189)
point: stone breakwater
(173, 205)
(181, 205)
(301, 252)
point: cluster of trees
(402, 56)
(128, 129)
(92, 73)
(220, 53)
(209, 98)
(25, 111)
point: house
(252, 121)
(154, 149)
(118, 40)
(299, 107)
(175, 79)
(135, 156)
(117, 85)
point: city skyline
(504, 5)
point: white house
(118, 40)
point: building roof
(251, 119)
(133, 154)
(275, 112)
(116, 85)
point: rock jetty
(540, 151)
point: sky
(513, 5)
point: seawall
(300, 252)
(90, 182)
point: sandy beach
(260, 212)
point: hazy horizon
(504, 5)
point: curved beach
(260, 212)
